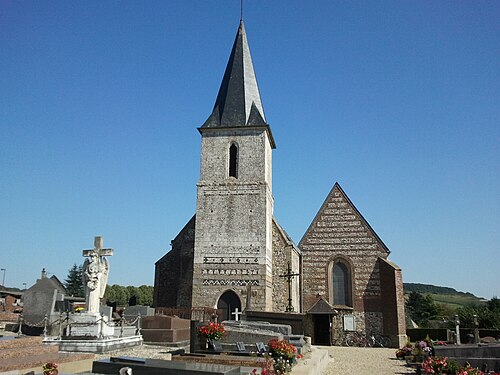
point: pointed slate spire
(238, 102)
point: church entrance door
(321, 329)
(227, 304)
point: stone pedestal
(89, 324)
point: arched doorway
(227, 304)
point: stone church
(233, 255)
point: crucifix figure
(95, 274)
(236, 314)
(289, 275)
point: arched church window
(341, 284)
(233, 161)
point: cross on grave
(98, 243)
(95, 274)
(289, 275)
(236, 314)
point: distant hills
(444, 295)
(433, 289)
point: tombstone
(132, 301)
(476, 330)
(457, 329)
(112, 304)
(132, 312)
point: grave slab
(161, 367)
(94, 346)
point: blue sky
(398, 101)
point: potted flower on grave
(212, 332)
(283, 354)
(469, 370)
(420, 351)
(435, 365)
(404, 352)
(50, 368)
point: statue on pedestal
(95, 274)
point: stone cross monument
(289, 275)
(95, 274)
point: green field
(455, 300)
(444, 295)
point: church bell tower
(234, 211)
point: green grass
(455, 300)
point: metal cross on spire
(289, 275)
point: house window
(233, 161)
(341, 284)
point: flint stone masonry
(233, 213)
(340, 233)
(174, 271)
(236, 271)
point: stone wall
(340, 233)
(368, 322)
(284, 251)
(233, 246)
(393, 302)
(174, 271)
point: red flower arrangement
(50, 368)
(212, 331)
(281, 348)
(469, 370)
(435, 365)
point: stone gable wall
(174, 272)
(339, 231)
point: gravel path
(364, 361)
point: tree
(122, 295)
(146, 295)
(422, 308)
(487, 316)
(74, 281)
